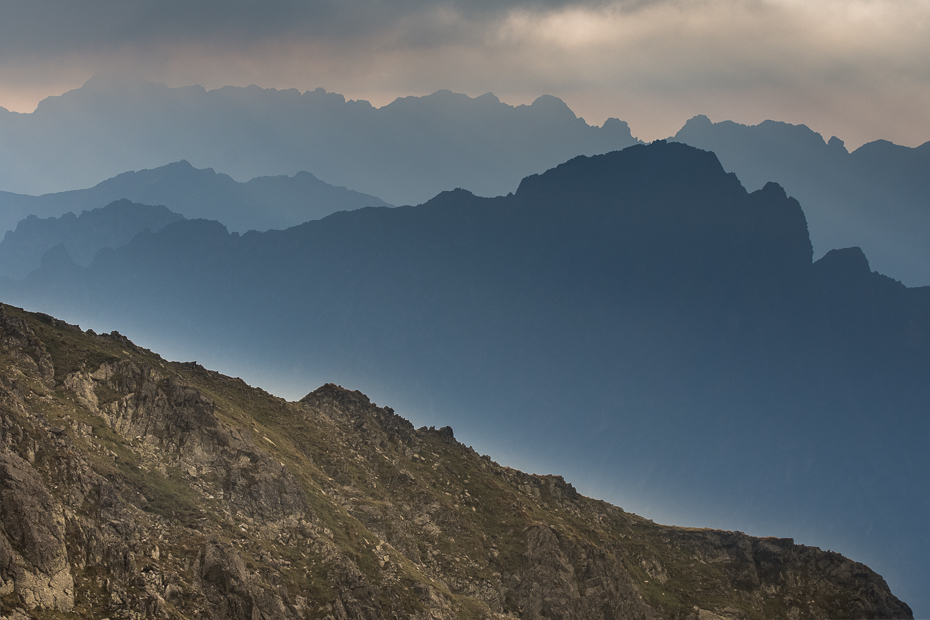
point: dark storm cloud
(37, 28)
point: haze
(856, 69)
(787, 432)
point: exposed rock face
(135, 488)
(32, 538)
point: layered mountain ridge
(404, 152)
(656, 331)
(80, 236)
(258, 204)
(133, 487)
(876, 197)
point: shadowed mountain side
(259, 204)
(404, 152)
(80, 236)
(877, 197)
(637, 317)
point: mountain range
(404, 152)
(636, 319)
(876, 197)
(78, 236)
(259, 204)
(133, 487)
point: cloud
(41, 27)
(857, 68)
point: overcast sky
(858, 69)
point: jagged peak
(700, 127)
(616, 125)
(450, 197)
(445, 432)
(773, 189)
(837, 144)
(334, 391)
(699, 120)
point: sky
(857, 69)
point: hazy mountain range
(876, 197)
(78, 236)
(637, 320)
(259, 204)
(135, 487)
(405, 152)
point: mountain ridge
(141, 488)
(876, 197)
(261, 203)
(661, 365)
(82, 236)
(404, 152)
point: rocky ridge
(131, 487)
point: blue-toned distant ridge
(637, 320)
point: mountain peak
(845, 263)
(552, 106)
(333, 393)
(837, 144)
(698, 121)
(636, 166)
(773, 189)
(57, 258)
(181, 164)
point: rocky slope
(131, 487)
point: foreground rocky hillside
(131, 487)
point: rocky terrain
(131, 487)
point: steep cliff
(131, 487)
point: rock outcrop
(131, 487)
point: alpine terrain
(131, 487)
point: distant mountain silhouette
(259, 204)
(80, 237)
(404, 152)
(637, 318)
(876, 197)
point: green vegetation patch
(166, 495)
